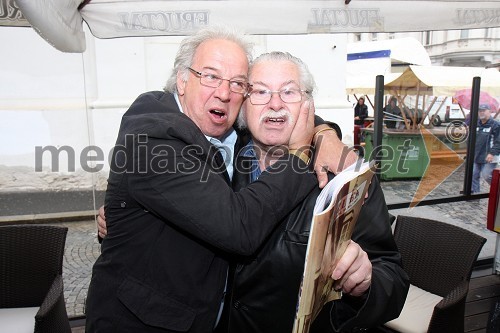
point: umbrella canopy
(431, 80)
(59, 22)
(464, 97)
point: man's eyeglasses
(238, 86)
(287, 95)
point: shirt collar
(249, 151)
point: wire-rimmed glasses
(238, 86)
(287, 95)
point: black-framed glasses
(238, 86)
(287, 95)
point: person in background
(360, 112)
(392, 113)
(487, 149)
(173, 218)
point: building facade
(461, 48)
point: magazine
(334, 217)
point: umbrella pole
(369, 101)
(414, 118)
(429, 110)
(461, 109)
(439, 108)
(403, 113)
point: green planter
(403, 154)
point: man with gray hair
(173, 219)
(265, 287)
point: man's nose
(275, 103)
(223, 92)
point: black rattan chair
(31, 273)
(439, 258)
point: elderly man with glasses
(265, 286)
(173, 219)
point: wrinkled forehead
(223, 56)
(275, 73)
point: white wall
(59, 99)
(42, 102)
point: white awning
(366, 60)
(406, 50)
(429, 80)
(59, 22)
(444, 80)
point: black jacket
(172, 220)
(266, 285)
(487, 140)
(360, 111)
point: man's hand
(303, 129)
(353, 272)
(101, 223)
(489, 158)
(331, 154)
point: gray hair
(306, 78)
(189, 45)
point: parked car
(450, 111)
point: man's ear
(181, 84)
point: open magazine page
(335, 214)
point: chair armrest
(52, 316)
(448, 315)
(455, 296)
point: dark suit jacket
(173, 219)
(266, 284)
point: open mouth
(276, 120)
(280, 117)
(218, 113)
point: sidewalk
(82, 250)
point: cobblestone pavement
(470, 215)
(82, 248)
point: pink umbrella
(463, 97)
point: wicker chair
(31, 277)
(438, 258)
